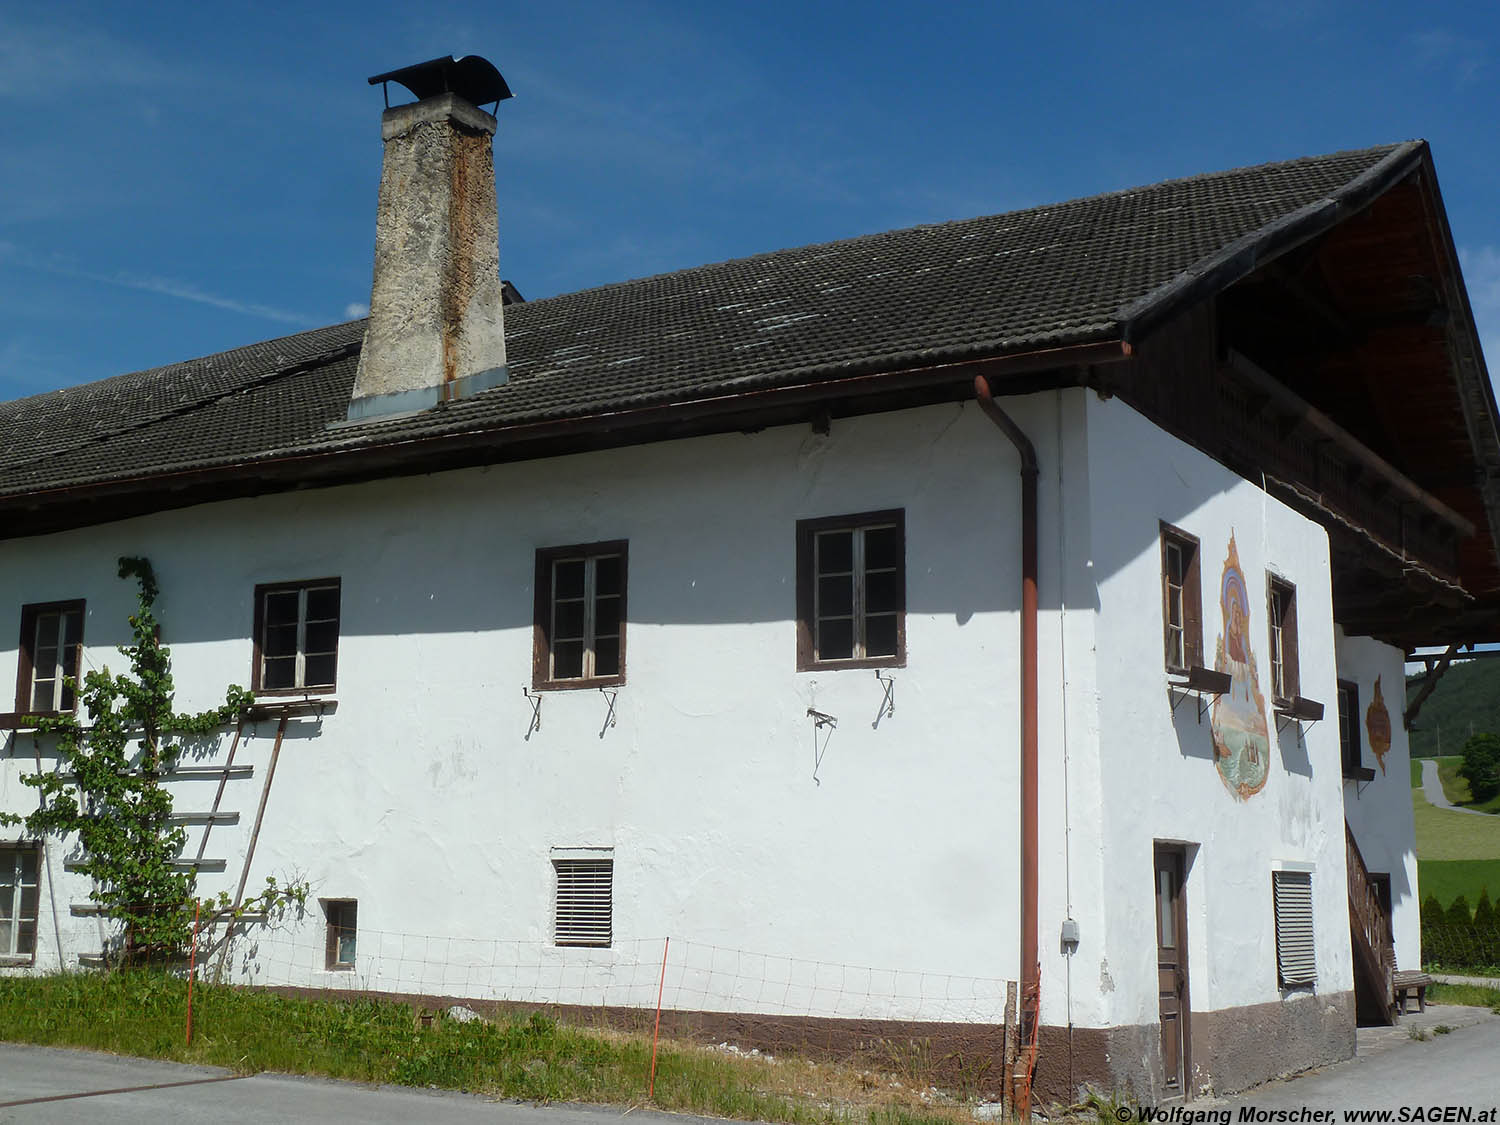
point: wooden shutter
(585, 893)
(1295, 943)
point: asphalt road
(43, 1084)
(1432, 789)
(1392, 1070)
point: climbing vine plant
(110, 793)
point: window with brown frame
(296, 636)
(1350, 749)
(1181, 600)
(1281, 611)
(343, 930)
(50, 658)
(580, 616)
(19, 870)
(851, 591)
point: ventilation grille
(584, 901)
(1295, 963)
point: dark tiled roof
(1046, 277)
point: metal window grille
(299, 641)
(585, 901)
(1296, 963)
(18, 901)
(1175, 578)
(587, 597)
(54, 659)
(857, 592)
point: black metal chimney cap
(472, 78)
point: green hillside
(1467, 699)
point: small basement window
(297, 636)
(343, 929)
(584, 913)
(1291, 893)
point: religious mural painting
(1378, 726)
(1242, 739)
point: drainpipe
(1030, 965)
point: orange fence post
(192, 967)
(655, 1035)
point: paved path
(1392, 1070)
(1432, 789)
(1453, 978)
(150, 1092)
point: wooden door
(1172, 968)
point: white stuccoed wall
(1380, 811)
(1157, 772)
(421, 797)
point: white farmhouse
(1022, 598)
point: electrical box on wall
(1070, 931)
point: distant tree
(1484, 912)
(1459, 913)
(1481, 766)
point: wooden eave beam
(1350, 446)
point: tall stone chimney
(437, 329)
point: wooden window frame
(26, 651)
(541, 660)
(258, 636)
(564, 936)
(1191, 589)
(807, 580)
(1281, 904)
(334, 911)
(1282, 634)
(8, 959)
(1352, 750)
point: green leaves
(114, 802)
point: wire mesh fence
(687, 975)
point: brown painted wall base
(1231, 1049)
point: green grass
(1445, 880)
(1416, 774)
(534, 1058)
(1472, 995)
(1447, 835)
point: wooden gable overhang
(1345, 372)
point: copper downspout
(1030, 965)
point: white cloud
(1458, 55)
(356, 309)
(165, 286)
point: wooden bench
(1406, 982)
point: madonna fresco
(1242, 740)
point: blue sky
(184, 178)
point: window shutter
(585, 906)
(1295, 944)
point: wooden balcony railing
(1371, 928)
